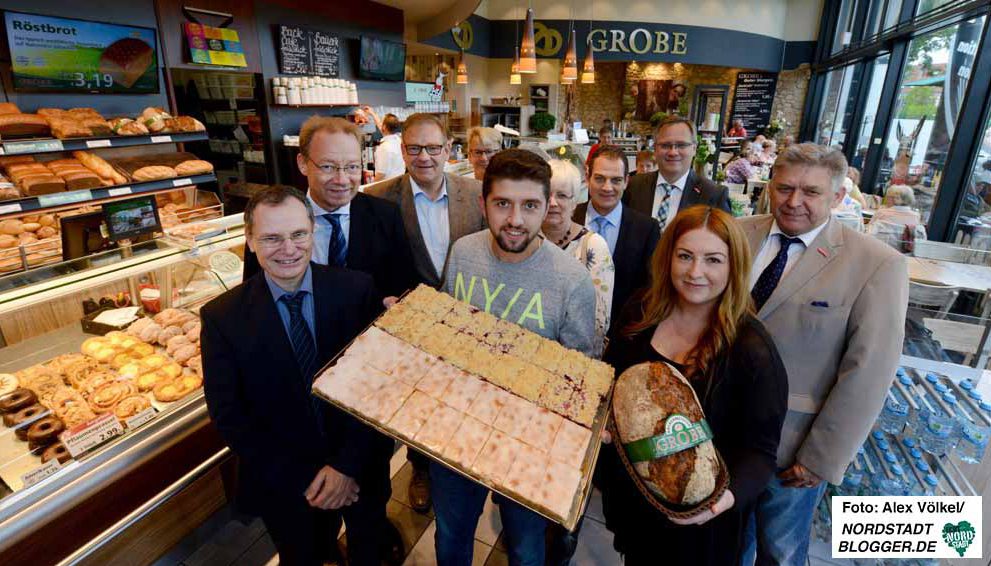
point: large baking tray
(588, 463)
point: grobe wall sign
(628, 41)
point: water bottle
(931, 483)
(936, 436)
(967, 385)
(960, 420)
(972, 444)
(922, 466)
(894, 416)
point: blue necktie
(771, 275)
(304, 348)
(599, 224)
(338, 251)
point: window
(881, 15)
(926, 6)
(878, 70)
(836, 109)
(891, 13)
(844, 26)
(974, 223)
(930, 96)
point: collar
(318, 211)
(418, 191)
(807, 238)
(390, 137)
(679, 184)
(278, 292)
(614, 217)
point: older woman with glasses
(588, 247)
(483, 143)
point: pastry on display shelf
(23, 125)
(154, 173)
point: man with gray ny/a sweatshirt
(510, 272)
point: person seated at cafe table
(737, 130)
(897, 222)
(739, 169)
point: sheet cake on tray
(485, 397)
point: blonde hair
(899, 195)
(489, 137)
(814, 155)
(734, 305)
(315, 124)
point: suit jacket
(377, 245)
(838, 320)
(259, 401)
(464, 215)
(635, 243)
(698, 190)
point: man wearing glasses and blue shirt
(437, 209)
(674, 186)
(303, 465)
(351, 229)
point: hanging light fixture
(528, 48)
(462, 73)
(564, 79)
(588, 67)
(514, 70)
(569, 67)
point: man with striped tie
(303, 465)
(674, 186)
(352, 229)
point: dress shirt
(771, 246)
(309, 312)
(389, 157)
(323, 230)
(435, 223)
(674, 201)
(613, 220)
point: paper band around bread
(664, 442)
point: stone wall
(593, 103)
(690, 75)
(789, 99)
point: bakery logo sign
(680, 433)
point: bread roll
(100, 166)
(154, 172)
(46, 232)
(664, 435)
(11, 226)
(7, 241)
(31, 226)
(194, 167)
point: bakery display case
(100, 387)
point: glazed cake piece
(526, 472)
(542, 429)
(515, 416)
(467, 442)
(557, 487)
(570, 444)
(411, 417)
(436, 381)
(414, 366)
(439, 428)
(496, 457)
(462, 390)
(488, 403)
(382, 405)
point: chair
(940, 296)
(737, 188)
(942, 251)
(956, 336)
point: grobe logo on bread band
(680, 433)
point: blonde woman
(483, 143)
(588, 247)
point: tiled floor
(223, 540)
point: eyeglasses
(330, 169)
(416, 149)
(273, 241)
(669, 146)
(482, 152)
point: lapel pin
(697, 190)
(822, 252)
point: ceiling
(427, 18)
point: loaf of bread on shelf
(154, 119)
(127, 127)
(23, 125)
(184, 124)
(154, 172)
(16, 170)
(9, 108)
(194, 167)
(64, 128)
(98, 165)
(33, 185)
(9, 192)
(97, 126)
(78, 180)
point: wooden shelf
(36, 146)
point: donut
(148, 381)
(141, 349)
(56, 451)
(131, 405)
(194, 333)
(165, 315)
(22, 419)
(190, 325)
(8, 383)
(171, 391)
(17, 400)
(44, 431)
(137, 326)
(105, 398)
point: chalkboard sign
(308, 52)
(753, 99)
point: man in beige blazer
(834, 301)
(437, 209)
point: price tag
(1, 151)
(161, 139)
(89, 435)
(119, 191)
(32, 146)
(59, 199)
(36, 475)
(182, 182)
(140, 418)
(98, 143)
(8, 208)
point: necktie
(599, 225)
(338, 250)
(665, 206)
(771, 275)
(303, 347)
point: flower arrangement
(542, 122)
(778, 124)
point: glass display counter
(103, 412)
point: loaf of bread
(9, 108)
(194, 167)
(128, 127)
(97, 126)
(154, 172)
(34, 185)
(98, 165)
(79, 180)
(664, 436)
(23, 125)
(184, 124)
(68, 128)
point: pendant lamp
(514, 71)
(570, 69)
(588, 67)
(462, 73)
(528, 50)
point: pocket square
(822, 304)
